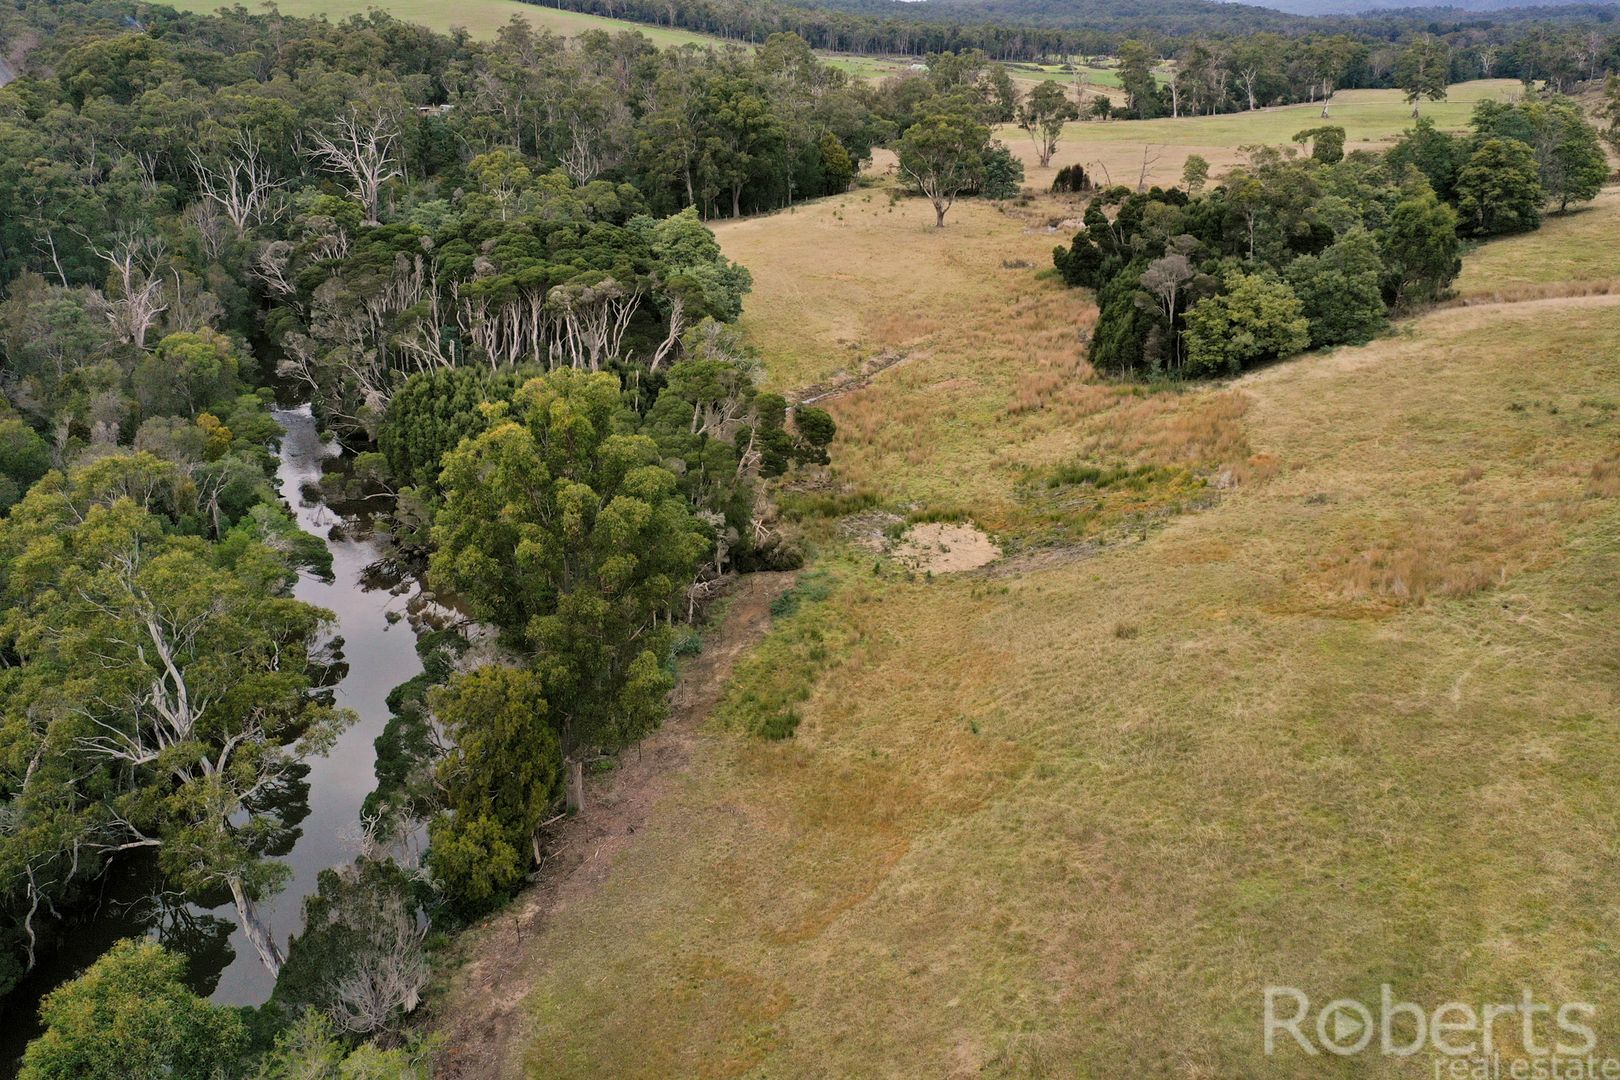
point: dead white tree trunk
(360, 148)
(239, 182)
(257, 933)
(141, 295)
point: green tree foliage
(1327, 142)
(1254, 320)
(1340, 290)
(1422, 254)
(1118, 342)
(500, 778)
(1424, 70)
(1438, 155)
(187, 373)
(130, 1014)
(1195, 173)
(1499, 190)
(696, 281)
(944, 152)
(1609, 109)
(836, 165)
(1003, 175)
(816, 427)
(569, 536)
(433, 411)
(1044, 114)
(24, 457)
(1136, 62)
(310, 1048)
(198, 708)
(1569, 155)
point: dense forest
(486, 268)
(1036, 31)
(199, 213)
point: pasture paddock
(1347, 725)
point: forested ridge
(1036, 31)
(1242, 57)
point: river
(379, 647)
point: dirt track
(481, 1015)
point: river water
(379, 648)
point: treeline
(1292, 252)
(486, 266)
(1556, 43)
(1266, 69)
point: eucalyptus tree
(943, 153)
(1045, 112)
(1424, 71)
(160, 693)
(570, 536)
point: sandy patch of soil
(945, 548)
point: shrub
(1072, 180)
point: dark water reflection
(378, 650)
(379, 653)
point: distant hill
(1459, 7)
(1228, 16)
(1109, 16)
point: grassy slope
(1351, 724)
(481, 18)
(980, 331)
(1569, 251)
(1074, 820)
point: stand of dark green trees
(1293, 252)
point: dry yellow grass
(1352, 723)
(1012, 840)
(994, 386)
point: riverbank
(377, 647)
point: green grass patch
(807, 505)
(1102, 477)
(480, 18)
(767, 688)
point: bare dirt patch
(481, 1012)
(946, 548)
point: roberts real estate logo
(1525, 1039)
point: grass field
(1369, 117)
(1348, 726)
(481, 18)
(1097, 71)
(1574, 249)
(992, 390)
(1328, 700)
